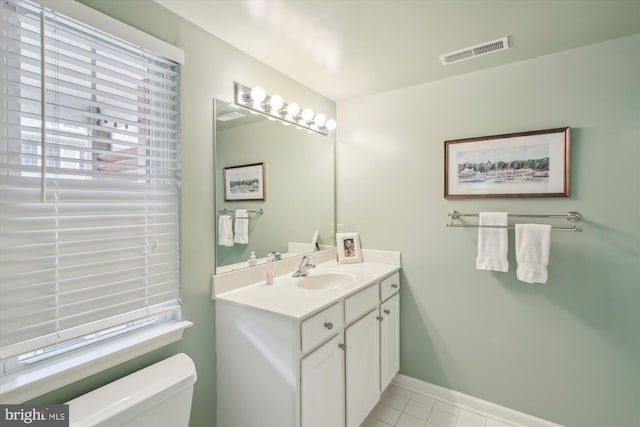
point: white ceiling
(347, 48)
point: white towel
(242, 227)
(532, 252)
(493, 242)
(225, 233)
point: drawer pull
(394, 285)
(380, 318)
(387, 311)
(328, 325)
(342, 346)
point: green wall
(567, 351)
(210, 68)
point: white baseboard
(475, 404)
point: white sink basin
(326, 280)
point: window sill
(60, 371)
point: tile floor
(401, 407)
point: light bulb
(306, 114)
(258, 94)
(276, 102)
(293, 109)
(320, 120)
(331, 124)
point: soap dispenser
(252, 259)
(269, 270)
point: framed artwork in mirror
(348, 248)
(244, 182)
(525, 164)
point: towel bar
(572, 217)
(249, 213)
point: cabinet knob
(387, 311)
(328, 325)
(380, 318)
(342, 346)
(394, 285)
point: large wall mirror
(298, 186)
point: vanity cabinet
(322, 386)
(389, 340)
(322, 370)
(362, 340)
(389, 329)
(326, 368)
(362, 348)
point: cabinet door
(389, 340)
(363, 367)
(322, 386)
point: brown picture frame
(524, 164)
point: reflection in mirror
(298, 186)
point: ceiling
(349, 48)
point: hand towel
(242, 227)
(225, 233)
(532, 252)
(493, 242)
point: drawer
(389, 286)
(320, 326)
(358, 304)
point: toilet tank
(157, 396)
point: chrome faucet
(277, 256)
(304, 267)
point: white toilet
(157, 396)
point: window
(89, 185)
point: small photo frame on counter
(348, 248)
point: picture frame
(524, 164)
(348, 248)
(244, 182)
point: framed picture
(348, 248)
(525, 164)
(244, 182)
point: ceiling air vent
(477, 50)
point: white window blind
(89, 181)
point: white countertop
(287, 298)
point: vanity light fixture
(257, 100)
